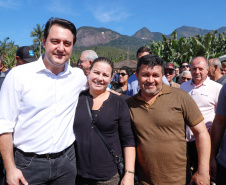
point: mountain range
(91, 36)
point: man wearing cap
(169, 71)
(38, 103)
(205, 92)
(25, 54)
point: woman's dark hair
(105, 60)
(61, 22)
(128, 70)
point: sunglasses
(170, 72)
(184, 78)
(184, 66)
(123, 74)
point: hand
(15, 176)
(200, 179)
(128, 179)
(213, 168)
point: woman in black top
(121, 86)
(111, 116)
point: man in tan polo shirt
(159, 114)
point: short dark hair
(103, 59)
(128, 70)
(150, 60)
(144, 49)
(61, 22)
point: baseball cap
(26, 53)
(222, 59)
(169, 66)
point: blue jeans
(221, 175)
(42, 171)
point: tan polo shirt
(160, 131)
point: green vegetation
(8, 51)
(184, 49)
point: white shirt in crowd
(39, 107)
(206, 97)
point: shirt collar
(165, 90)
(41, 67)
(202, 84)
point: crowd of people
(70, 125)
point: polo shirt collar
(202, 84)
(41, 67)
(165, 90)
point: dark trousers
(192, 157)
(41, 171)
(221, 175)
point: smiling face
(123, 77)
(199, 70)
(58, 48)
(99, 77)
(150, 80)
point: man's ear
(43, 42)
(136, 74)
(90, 62)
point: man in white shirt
(37, 109)
(205, 92)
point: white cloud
(9, 4)
(113, 15)
(109, 12)
(59, 6)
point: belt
(46, 156)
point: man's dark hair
(150, 60)
(128, 70)
(61, 22)
(144, 49)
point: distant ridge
(90, 36)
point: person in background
(184, 67)
(223, 64)
(169, 71)
(2, 75)
(124, 74)
(205, 93)
(86, 59)
(159, 114)
(215, 71)
(185, 76)
(38, 120)
(24, 55)
(177, 74)
(110, 115)
(218, 141)
(133, 86)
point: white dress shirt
(206, 97)
(39, 107)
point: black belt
(47, 156)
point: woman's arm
(129, 156)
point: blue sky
(19, 17)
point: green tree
(38, 33)
(8, 51)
